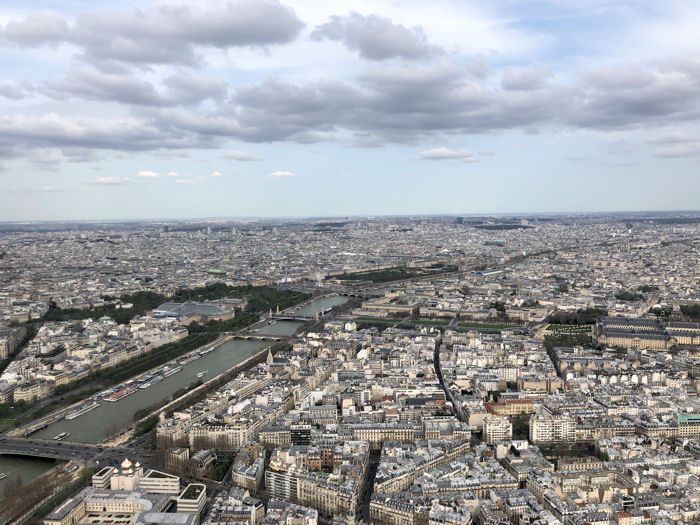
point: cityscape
(274, 262)
(448, 369)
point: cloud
(672, 137)
(173, 174)
(443, 153)
(684, 150)
(675, 144)
(279, 175)
(109, 181)
(186, 89)
(402, 104)
(44, 27)
(242, 156)
(20, 133)
(162, 33)
(525, 78)
(216, 174)
(15, 90)
(88, 84)
(44, 189)
(397, 104)
(148, 174)
(387, 105)
(630, 96)
(376, 38)
(51, 189)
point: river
(320, 304)
(109, 418)
(280, 328)
(26, 468)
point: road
(368, 489)
(55, 449)
(448, 393)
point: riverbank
(76, 393)
(193, 395)
(59, 413)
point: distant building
(190, 311)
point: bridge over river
(64, 450)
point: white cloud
(216, 174)
(279, 175)
(673, 137)
(109, 181)
(443, 153)
(676, 144)
(173, 174)
(45, 189)
(160, 34)
(147, 174)
(686, 149)
(240, 155)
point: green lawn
(570, 339)
(430, 323)
(394, 274)
(570, 328)
(488, 326)
(378, 319)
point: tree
(691, 310)
(12, 485)
(625, 295)
(521, 427)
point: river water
(109, 418)
(320, 304)
(25, 468)
(280, 328)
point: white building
(497, 429)
(552, 429)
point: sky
(259, 108)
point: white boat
(82, 410)
(61, 436)
(172, 371)
(3, 475)
(151, 382)
(202, 373)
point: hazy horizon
(495, 215)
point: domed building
(127, 476)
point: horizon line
(354, 216)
